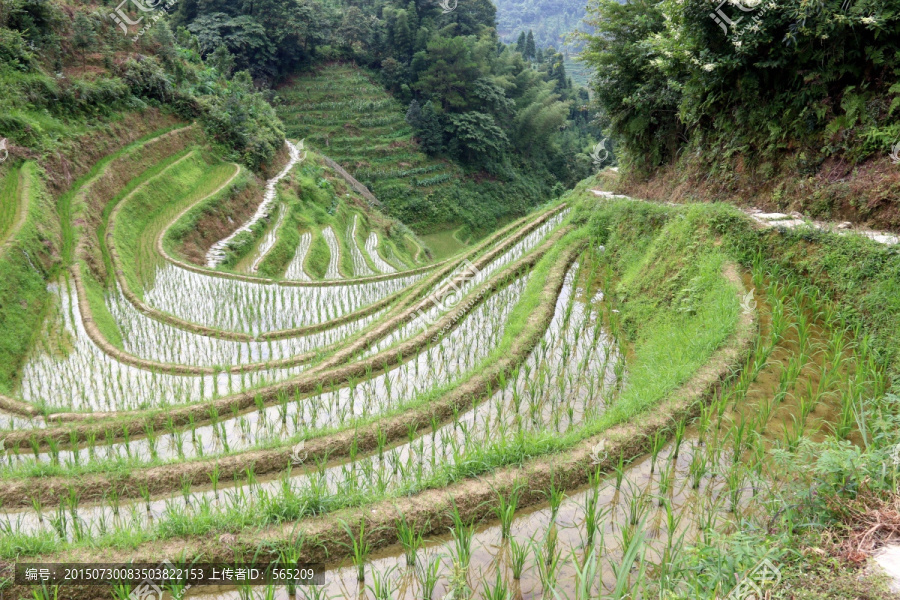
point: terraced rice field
(346, 115)
(556, 411)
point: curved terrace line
(17, 407)
(333, 369)
(23, 197)
(280, 282)
(472, 497)
(390, 429)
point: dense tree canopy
(765, 79)
(477, 100)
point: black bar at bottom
(162, 574)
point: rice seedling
(518, 553)
(383, 585)
(498, 591)
(410, 538)
(555, 496)
(427, 573)
(679, 437)
(505, 511)
(462, 540)
(359, 548)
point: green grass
(315, 200)
(210, 207)
(104, 320)
(845, 285)
(64, 204)
(158, 182)
(26, 265)
(316, 263)
(288, 237)
(9, 202)
(443, 243)
(144, 213)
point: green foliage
(39, 110)
(268, 37)
(211, 206)
(808, 79)
(316, 264)
(638, 99)
(493, 114)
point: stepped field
(602, 382)
(343, 113)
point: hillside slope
(346, 115)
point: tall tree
(520, 43)
(530, 50)
(403, 37)
(431, 133)
(446, 70)
(223, 61)
(83, 35)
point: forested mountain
(484, 103)
(550, 21)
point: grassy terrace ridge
(410, 303)
(318, 198)
(14, 195)
(32, 237)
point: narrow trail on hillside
(216, 254)
(793, 220)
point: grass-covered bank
(829, 490)
(861, 277)
(28, 256)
